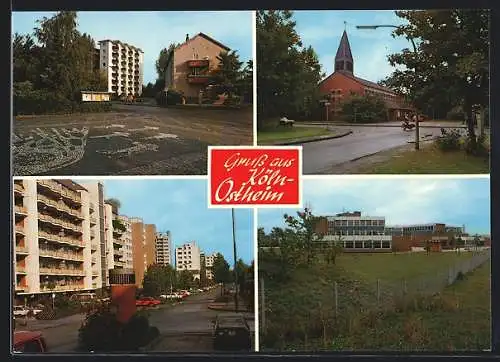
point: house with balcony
(190, 64)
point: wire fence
(351, 296)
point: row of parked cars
(26, 311)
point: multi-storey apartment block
(190, 64)
(355, 232)
(164, 248)
(51, 237)
(187, 257)
(209, 264)
(64, 237)
(143, 247)
(123, 65)
(126, 239)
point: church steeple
(343, 60)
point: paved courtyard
(131, 140)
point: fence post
(262, 304)
(378, 292)
(336, 295)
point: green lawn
(300, 311)
(390, 267)
(430, 160)
(282, 134)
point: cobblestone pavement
(131, 140)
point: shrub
(174, 97)
(102, 332)
(449, 140)
(28, 101)
(232, 101)
(363, 109)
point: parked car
(21, 311)
(232, 332)
(171, 296)
(36, 310)
(185, 293)
(29, 342)
(147, 302)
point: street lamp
(374, 27)
(235, 271)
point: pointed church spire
(343, 60)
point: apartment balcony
(21, 249)
(62, 288)
(20, 269)
(93, 259)
(47, 253)
(93, 220)
(57, 188)
(95, 273)
(92, 234)
(60, 206)
(119, 264)
(20, 229)
(198, 63)
(20, 210)
(93, 246)
(58, 222)
(198, 79)
(20, 288)
(18, 188)
(118, 252)
(61, 271)
(63, 239)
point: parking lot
(131, 140)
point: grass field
(300, 311)
(456, 320)
(430, 160)
(282, 134)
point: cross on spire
(345, 25)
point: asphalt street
(130, 140)
(184, 327)
(318, 157)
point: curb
(376, 125)
(203, 107)
(309, 140)
(227, 309)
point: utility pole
(235, 261)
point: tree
(304, 228)
(228, 73)
(203, 274)
(364, 109)
(221, 270)
(451, 64)
(161, 62)
(245, 83)
(185, 279)
(115, 204)
(158, 279)
(289, 73)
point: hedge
(40, 102)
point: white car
(36, 310)
(20, 311)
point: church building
(342, 83)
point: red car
(29, 342)
(147, 302)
